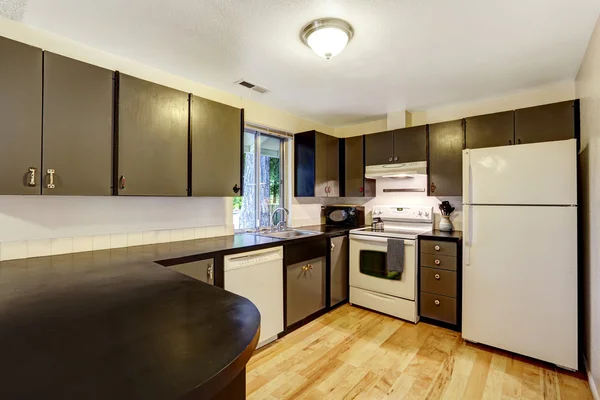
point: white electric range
(371, 285)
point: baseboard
(593, 387)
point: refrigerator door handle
(467, 222)
(466, 176)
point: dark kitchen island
(112, 325)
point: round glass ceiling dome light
(327, 37)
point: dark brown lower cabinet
(203, 270)
(78, 128)
(339, 270)
(440, 278)
(21, 116)
(152, 139)
(305, 285)
(445, 158)
(216, 139)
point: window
(263, 163)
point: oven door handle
(364, 238)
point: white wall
(29, 226)
(588, 90)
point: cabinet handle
(209, 273)
(122, 182)
(437, 276)
(332, 246)
(437, 303)
(307, 268)
(432, 187)
(236, 189)
(361, 189)
(32, 172)
(519, 141)
(51, 173)
(437, 248)
(390, 159)
(395, 158)
(437, 262)
(509, 141)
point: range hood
(404, 170)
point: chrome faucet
(281, 223)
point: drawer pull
(51, 173)
(437, 302)
(437, 248)
(307, 268)
(437, 262)
(437, 276)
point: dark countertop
(436, 234)
(116, 324)
(113, 325)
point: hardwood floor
(352, 353)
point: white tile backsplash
(61, 246)
(83, 243)
(39, 248)
(134, 239)
(163, 236)
(176, 235)
(199, 233)
(118, 240)
(188, 234)
(149, 237)
(13, 250)
(101, 242)
(215, 231)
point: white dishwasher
(258, 276)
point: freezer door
(520, 280)
(539, 173)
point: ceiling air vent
(252, 86)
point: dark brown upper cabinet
(445, 158)
(379, 148)
(397, 146)
(216, 140)
(546, 123)
(316, 165)
(152, 139)
(490, 130)
(354, 183)
(410, 144)
(21, 116)
(78, 128)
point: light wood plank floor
(352, 353)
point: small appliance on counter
(345, 215)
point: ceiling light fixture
(327, 36)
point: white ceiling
(406, 54)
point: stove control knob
(427, 214)
(420, 213)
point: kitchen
(121, 171)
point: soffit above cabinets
(407, 54)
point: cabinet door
(333, 166)
(490, 130)
(339, 270)
(200, 270)
(379, 148)
(304, 164)
(354, 167)
(152, 139)
(78, 127)
(445, 158)
(216, 148)
(410, 144)
(545, 123)
(321, 175)
(305, 289)
(21, 116)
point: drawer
(438, 247)
(437, 261)
(438, 281)
(440, 308)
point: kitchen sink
(291, 234)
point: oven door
(368, 255)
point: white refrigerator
(520, 249)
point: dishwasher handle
(250, 259)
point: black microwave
(345, 215)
